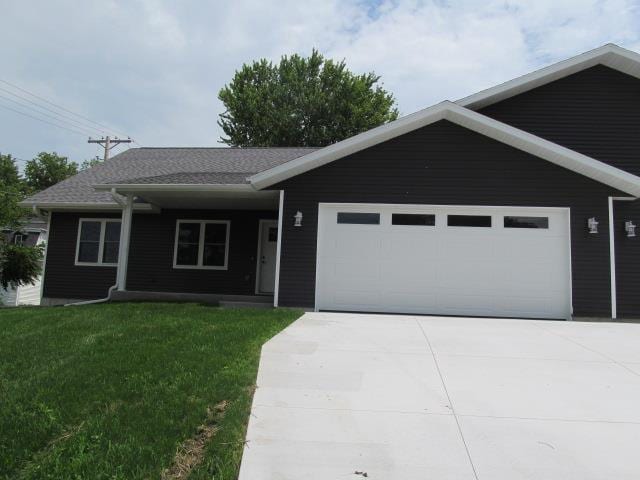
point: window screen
(526, 222)
(188, 243)
(413, 219)
(89, 246)
(469, 220)
(359, 218)
(215, 244)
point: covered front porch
(215, 244)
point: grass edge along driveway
(132, 390)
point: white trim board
(609, 55)
(544, 149)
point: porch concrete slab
(404, 397)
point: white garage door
(484, 261)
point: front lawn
(139, 390)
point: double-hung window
(98, 242)
(202, 244)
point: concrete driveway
(408, 397)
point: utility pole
(108, 143)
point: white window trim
(200, 266)
(20, 236)
(102, 222)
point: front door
(267, 256)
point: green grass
(111, 391)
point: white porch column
(125, 234)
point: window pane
(215, 233)
(90, 231)
(526, 222)
(187, 254)
(112, 232)
(359, 218)
(189, 233)
(213, 255)
(110, 252)
(413, 219)
(88, 252)
(469, 220)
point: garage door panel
(496, 271)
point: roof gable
(609, 55)
(464, 117)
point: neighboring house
(33, 232)
(518, 201)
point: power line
(86, 130)
(61, 107)
(78, 122)
(41, 120)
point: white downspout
(123, 253)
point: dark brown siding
(62, 279)
(447, 164)
(151, 256)
(627, 260)
(595, 112)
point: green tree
(90, 163)
(47, 169)
(301, 102)
(18, 264)
(9, 173)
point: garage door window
(526, 222)
(359, 218)
(469, 220)
(413, 219)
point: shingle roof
(167, 166)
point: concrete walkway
(344, 396)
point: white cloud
(152, 68)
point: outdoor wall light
(630, 228)
(592, 224)
(297, 219)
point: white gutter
(161, 187)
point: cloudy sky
(151, 69)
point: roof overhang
(82, 206)
(219, 196)
(464, 117)
(610, 55)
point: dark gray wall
(151, 256)
(595, 112)
(62, 279)
(446, 164)
(627, 260)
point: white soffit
(610, 55)
(466, 118)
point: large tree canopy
(301, 102)
(47, 169)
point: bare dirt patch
(190, 453)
